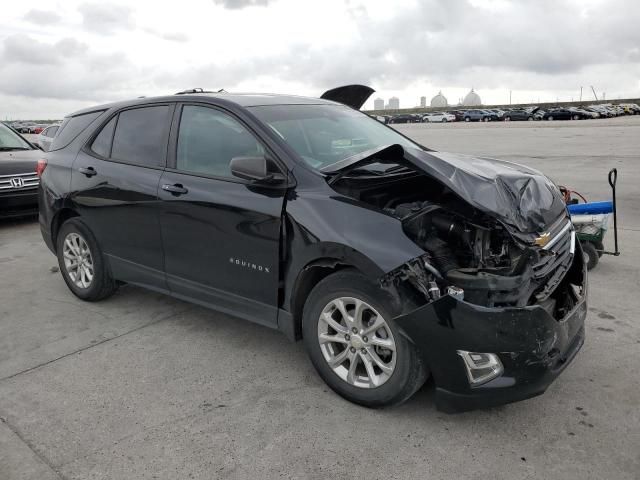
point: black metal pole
(613, 178)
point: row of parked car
(44, 132)
(515, 114)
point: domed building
(472, 99)
(439, 101)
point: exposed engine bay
(467, 252)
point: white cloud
(97, 52)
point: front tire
(82, 264)
(355, 346)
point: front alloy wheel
(356, 342)
(350, 334)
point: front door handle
(88, 171)
(175, 189)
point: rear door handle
(175, 189)
(88, 171)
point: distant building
(423, 102)
(378, 104)
(472, 99)
(439, 101)
(394, 103)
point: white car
(45, 138)
(441, 117)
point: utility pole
(580, 93)
(509, 97)
(594, 92)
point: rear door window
(141, 136)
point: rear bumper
(533, 346)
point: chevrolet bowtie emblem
(542, 240)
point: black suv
(391, 261)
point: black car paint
(275, 239)
(353, 96)
(535, 347)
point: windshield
(326, 134)
(9, 140)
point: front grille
(555, 260)
(18, 181)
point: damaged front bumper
(533, 346)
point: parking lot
(145, 386)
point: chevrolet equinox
(392, 262)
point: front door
(221, 234)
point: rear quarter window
(72, 127)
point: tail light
(42, 164)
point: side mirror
(254, 169)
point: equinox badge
(253, 266)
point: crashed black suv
(391, 261)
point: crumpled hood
(516, 195)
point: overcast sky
(59, 56)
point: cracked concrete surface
(145, 386)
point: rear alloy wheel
(78, 261)
(467, 119)
(507, 119)
(81, 263)
(486, 119)
(530, 119)
(550, 117)
(354, 345)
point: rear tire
(369, 384)
(467, 119)
(82, 264)
(550, 118)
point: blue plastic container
(591, 208)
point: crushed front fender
(533, 346)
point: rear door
(221, 234)
(115, 189)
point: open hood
(518, 196)
(353, 96)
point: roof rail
(199, 90)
